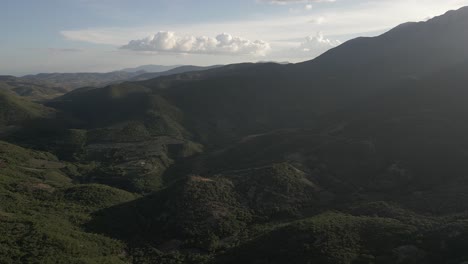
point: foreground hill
(357, 156)
(42, 209)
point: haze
(99, 36)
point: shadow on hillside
(134, 222)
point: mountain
(46, 86)
(72, 81)
(150, 68)
(358, 156)
(34, 90)
(400, 54)
(15, 110)
(181, 69)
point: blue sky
(105, 35)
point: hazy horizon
(103, 36)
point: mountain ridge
(357, 156)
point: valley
(357, 156)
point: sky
(106, 35)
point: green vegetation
(15, 110)
(41, 212)
(97, 196)
(352, 158)
(29, 89)
(327, 238)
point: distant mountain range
(357, 156)
(32, 89)
(151, 68)
(177, 70)
(49, 85)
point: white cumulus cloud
(309, 48)
(318, 43)
(166, 41)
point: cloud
(308, 48)
(317, 20)
(284, 33)
(317, 44)
(367, 19)
(166, 41)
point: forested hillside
(358, 156)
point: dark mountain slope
(223, 105)
(421, 127)
(237, 100)
(408, 51)
(236, 91)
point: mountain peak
(410, 49)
